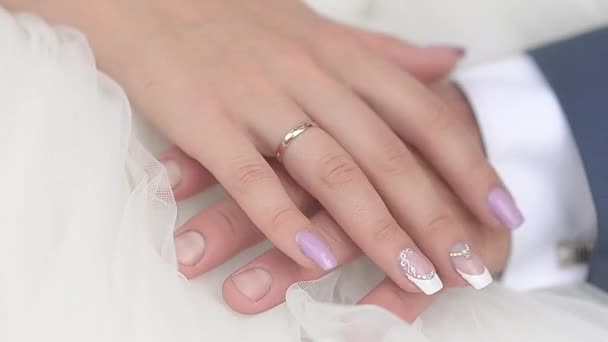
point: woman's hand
(261, 284)
(227, 80)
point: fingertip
(406, 305)
(236, 300)
(253, 289)
(246, 290)
(409, 286)
(189, 247)
(213, 236)
(435, 62)
(187, 176)
(455, 52)
(428, 64)
(505, 209)
(262, 284)
(316, 250)
(174, 173)
(429, 286)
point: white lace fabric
(87, 220)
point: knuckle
(251, 173)
(338, 169)
(289, 49)
(437, 123)
(253, 84)
(282, 217)
(439, 222)
(341, 43)
(440, 118)
(385, 230)
(395, 159)
(294, 56)
(337, 36)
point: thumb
(428, 64)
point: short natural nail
(420, 271)
(174, 172)
(504, 207)
(316, 250)
(254, 283)
(189, 248)
(470, 266)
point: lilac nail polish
(316, 250)
(504, 207)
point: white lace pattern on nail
(406, 263)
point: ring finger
(396, 176)
(320, 165)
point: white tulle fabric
(87, 219)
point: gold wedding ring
(291, 136)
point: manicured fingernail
(420, 271)
(254, 283)
(458, 50)
(173, 172)
(316, 250)
(505, 209)
(189, 247)
(470, 266)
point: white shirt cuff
(528, 140)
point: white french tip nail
(470, 266)
(419, 270)
(479, 281)
(428, 286)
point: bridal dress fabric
(87, 220)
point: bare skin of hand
(227, 80)
(262, 283)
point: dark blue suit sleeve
(577, 70)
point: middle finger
(405, 188)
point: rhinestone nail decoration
(470, 266)
(465, 253)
